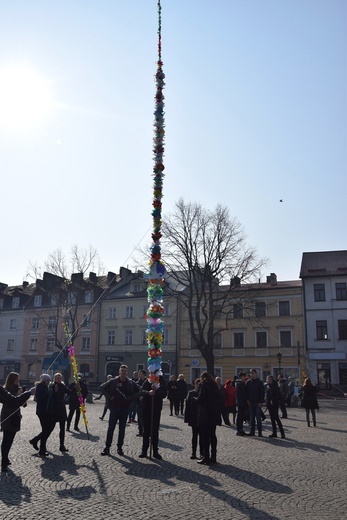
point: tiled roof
(323, 263)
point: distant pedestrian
(255, 398)
(309, 400)
(191, 418)
(222, 408)
(291, 391)
(230, 399)
(152, 404)
(120, 391)
(172, 394)
(241, 403)
(11, 416)
(44, 411)
(106, 405)
(182, 392)
(208, 417)
(58, 393)
(78, 389)
(273, 397)
(284, 394)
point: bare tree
(207, 259)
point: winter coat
(11, 415)
(6, 397)
(43, 401)
(241, 393)
(230, 396)
(172, 390)
(283, 388)
(309, 398)
(156, 400)
(273, 395)
(74, 403)
(58, 391)
(191, 409)
(208, 405)
(255, 391)
(110, 389)
(182, 389)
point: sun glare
(25, 98)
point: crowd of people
(203, 408)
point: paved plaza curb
(302, 476)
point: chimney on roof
(272, 279)
(25, 284)
(77, 277)
(92, 277)
(111, 277)
(236, 281)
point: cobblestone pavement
(302, 476)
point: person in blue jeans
(255, 395)
(121, 392)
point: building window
(50, 344)
(13, 324)
(321, 330)
(144, 310)
(112, 313)
(15, 302)
(129, 311)
(237, 310)
(54, 300)
(285, 338)
(38, 300)
(217, 341)
(283, 308)
(128, 337)
(52, 322)
(111, 337)
(10, 345)
(342, 325)
(166, 309)
(35, 323)
(261, 339)
(87, 321)
(137, 287)
(341, 291)
(165, 336)
(238, 340)
(33, 345)
(71, 298)
(89, 296)
(144, 336)
(86, 343)
(260, 309)
(319, 292)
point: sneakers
(106, 451)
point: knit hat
(44, 377)
(228, 381)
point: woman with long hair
(309, 400)
(208, 417)
(10, 419)
(58, 393)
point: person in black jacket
(241, 403)
(182, 391)
(152, 404)
(191, 417)
(309, 400)
(74, 403)
(58, 392)
(255, 395)
(10, 418)
(273, 398)
(44, 412)
(172, 394)
(208, 417)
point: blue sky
(256, 111)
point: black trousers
(273, 411)
(150, 431)
(47, 426)
(195, 437)
(209, 440)
(77, 416)
(240, 417)
(7, 441)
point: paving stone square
(302, 476)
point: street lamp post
(279, 357)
